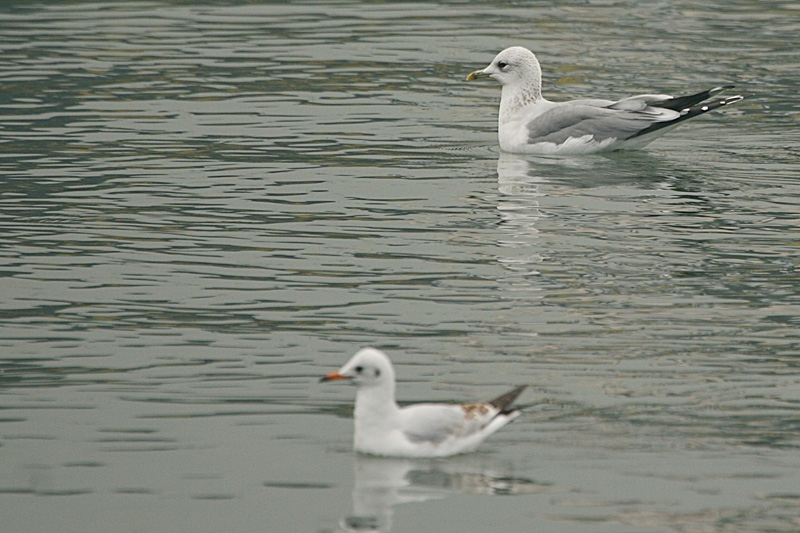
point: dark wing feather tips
(504, 401)
(692, 111)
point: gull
(529, 123)
(420, 430)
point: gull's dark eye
(502, 65)
(359, 369)
(377, 373)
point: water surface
(204, 208)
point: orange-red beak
(333, 376)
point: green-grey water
(205, 207)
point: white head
(514, 65)
(367, 368)
(517, 69)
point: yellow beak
(472, 75)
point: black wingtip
(683, 103)
(690, 112)
(717, 90)
(502, 402)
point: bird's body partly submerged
(420, 430)
(529, 123)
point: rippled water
(206, 207)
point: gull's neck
(375, 406)
(516, 96)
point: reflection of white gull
(518, 205)
(528, 123)
(421, 430)
(380, 484)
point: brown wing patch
(475, 410)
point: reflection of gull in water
(380, 484)
(518, 205)
(519, 186)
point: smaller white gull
(528, 123)
(420, 430)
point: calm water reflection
(380, 484)
(206, 207)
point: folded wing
(436, 423)
(621, 120)
(574, 121)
